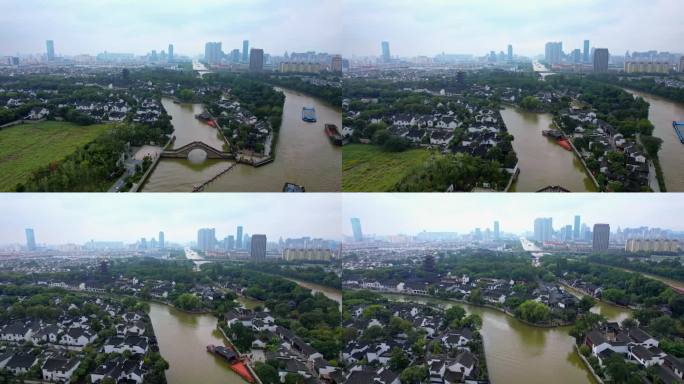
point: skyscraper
(601, 58)
(50, 50)
(161, 240)
(496, 230)
(229, 243)
(258, 247)
(245, 51)
(256, 60)
(576, 231)
(601, 236)
(238, 238)
(206, 239)
(543, 229)
(576, 56)
(356, 229)
(170, 58)
(586, 52)
(30, 239)
(336, 63)
(553, 52)
(212, 52)
(385, 52)
(510, 53)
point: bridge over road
(184, 151)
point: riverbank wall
(581, 159)
(586, 363)
(249, 360)
(138, 186)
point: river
(330, 293)
(661, 113)
(521, 354)
(183, 338)
(542, 162)
(303, 154)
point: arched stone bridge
(184, 151)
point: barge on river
(237, 364)
(309, 114)
(678, 127)
(334, 134)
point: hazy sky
(62, 218)
(139, 26)
(429, 27)
(389, 214)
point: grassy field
(367, 168)
(26, 147)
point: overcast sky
(139, 26)
(390, 214)
(429, 27)
(77, 218)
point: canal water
(521, 354)
(541, 160)
(181, 175)
(661, 113)
(304, 155)
(330, 293)
(183, 338)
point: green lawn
(367, 168)
(26, 147)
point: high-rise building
(576, 56)
(681, 64)
(247, 241)
(50, 50)
(586, 52)
(336, 63)
(510, 53)
(543, 229)
(162, 245)
(258, 247)
(553, 52)
(385, 52)
(30, 239)
(496, 231)
(212, 52)
(143, 243)
(356, 229)
(238, 237)
(601, 58)
(170, 58)
(576, 231)
(601, 237)
(256, 60)
(567, 233)
(206, 239)
(245, 51)
(229, 243)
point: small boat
(555, 134)
(333, 134)
(553, 188)
(678, 126)
(204, 116)
(292, 187)
(309, 114)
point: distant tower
(576, 229)
(496, 231)
(356, 229)
(245, 51)
(510, 53)
(601, 58)
(385, 52)
(161, 240)
(256, 60)
(586, 52)
(258, 247)
(601, 237)
(238, 238)
(170, 53)
(30, 239)
(50, 50)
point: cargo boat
(292, 187)
(237, 364)
(678, 126)
(565, 144)
(309, 114)
(333, 134)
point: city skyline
(410, 214)
(76, 218)
(78, 27)
(471, 27)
